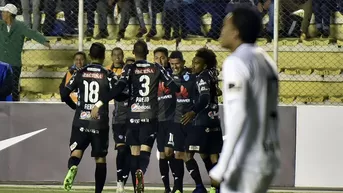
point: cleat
(200, 189)
(69, 179)
(213, 190)
(139, 181)
(177, 191)
(120, 187)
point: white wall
(319, 147)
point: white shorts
(243, 181)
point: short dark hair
(81, 53)
(140, 48)
(176, 55)
(117, 49)
(161, 49)
(208, 56)
(97, 51)
(248, 22)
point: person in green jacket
(12, 37)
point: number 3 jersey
(143, 80)
(90, 82)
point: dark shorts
(141, 133)
(179, 136)
(81, 138)
(119, 133)
(165, 135)
(204, 140)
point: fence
(307, 49)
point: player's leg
(177, 139)
(99, 152)
(214, 147)
(195, 141)
(79, 141)
(163, 161)
(132, 139)
(119, 131)
(147, 135)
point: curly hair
(208, 56)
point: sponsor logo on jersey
(140, 108)
(201, 82)
(73, 146)
(186, 77)
(213, 114)
(93, 69)
(165, 97)
(86, 130)
(162, 90)
(143, 65)
(145, 71)
(86, 115)
(142, 99)
(93, 75)
(183, 93)
(203, 89)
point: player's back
(259, 143)
(145, 78)
(92, 81)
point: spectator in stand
(104, 9)
(128, 7)
(50, 16)
(155, 7)
(172, 18)
(5, 81)
(267, 7)
(71, 10)
(79, 61)
(12, 35)
(25, 5)
(90, 7)
(191, 18)
(323, 10)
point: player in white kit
(250, 155)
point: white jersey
(250, 94)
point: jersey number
(91, 91)
(145, 80)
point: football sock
(144, 159)
(164, 170)
(193, 170)
(179, 170)
(134, 167)
(73, 161)
(127, 165)
(208, 164)
(120, 161)
(100, 176)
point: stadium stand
(310, 70)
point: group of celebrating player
(164, 100)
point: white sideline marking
(14, 140)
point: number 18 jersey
(91, 82)
(143, 79)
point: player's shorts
(204, 140)
(179, 136)
(243, 180)
(165, 135)
(119, 133)
(81, 138)
(141, 133)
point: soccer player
(143, 78)
(206, 136)
(79, 62)
(91, 82)
(166, 103)
(250, 155)
(184, 103)
(119, 124)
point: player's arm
(70, 87)
(168, 80)
(62, 85)
(117, 88)
(235, 97)
(114, 80)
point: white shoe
(120, 187)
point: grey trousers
(128, 8)
(104, 10)
(25, 4)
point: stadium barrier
(310, 63)
(43, 157)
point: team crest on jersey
(186, 77)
